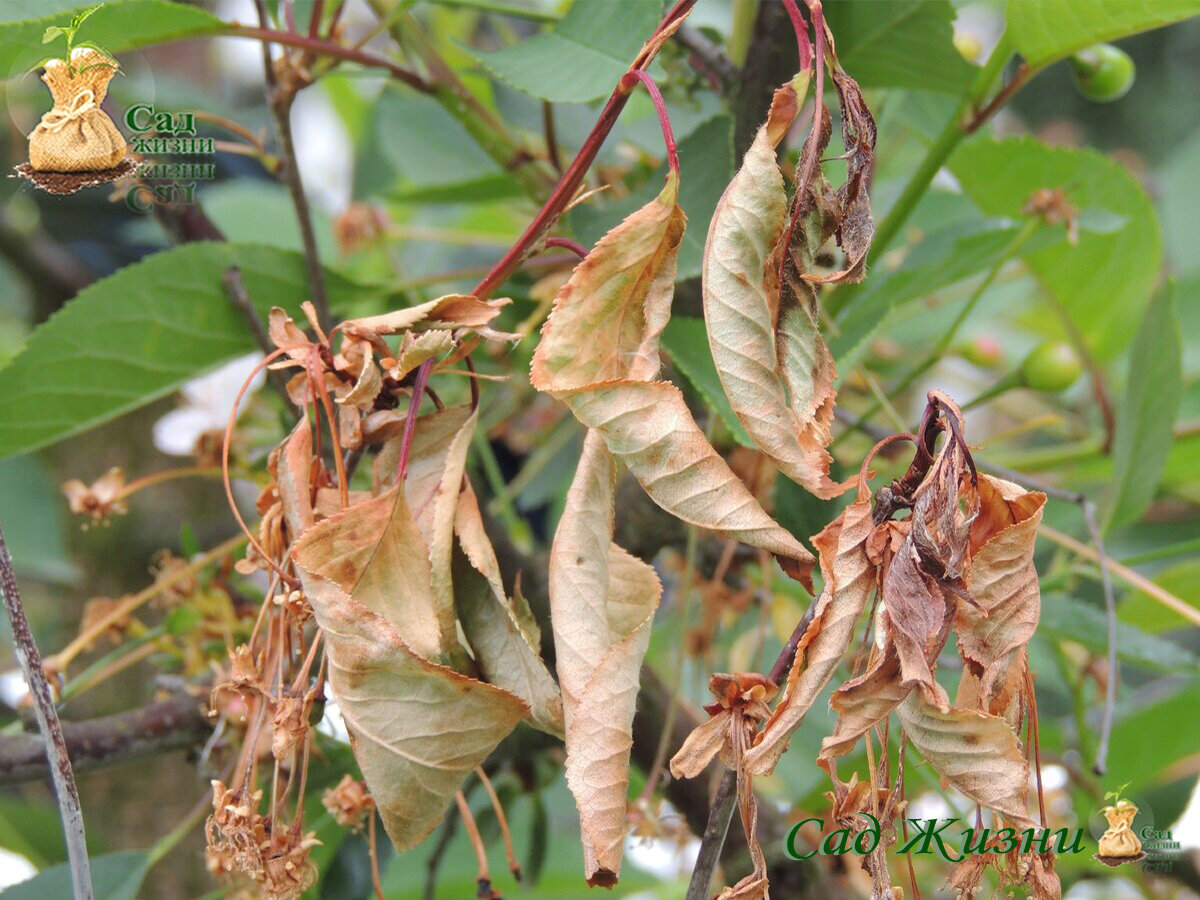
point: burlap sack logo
(1119, 844)
(76, 144)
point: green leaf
(1148, 740)
(1147, 414)
(1045, 30)
(424, 143)
(51, 33)
(79, 17)
(582, 57)
(31, 509)
(1104, 280)
(119, 26)
(686, 343)
(1070, 619)
(942, 258)
(139, 334)
(705, 167)
(899, 43)
(115, 876)
(94, 46)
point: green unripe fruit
(1102, 73)
(983, 351)
(1052, 366)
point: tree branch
(176, 723)
(279, 101)
(54, 745)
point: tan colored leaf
(451, 311)
(862, 702)
(599, 353)
(649, 427)
(417, 728)
(701, 746)
(978, 754)
(374, 553)
(502, 649)
(602, 603)
(293, 475)
(418, 348)
(773, 363)
(1002, 581)
(850, 579)
(608, 317)
(437, 459)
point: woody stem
(63, 776)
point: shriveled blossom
(291, 723)
(235, 831)
(349, 803)
(100, 499)
(287, 870)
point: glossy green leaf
(1146, 415)
(1151, 737)
(115, 876)
(116, 26)
(582, 57)
(1105, 279)
(686, 343)
(1068, 618)
(140, 333)
(1045, 30)
(899, 43)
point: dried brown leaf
(976, 753)
(1002, 581)
(850, 579)
(505, 653)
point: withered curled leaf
(602, 603)
(850, 579)
(417, 727)
(976, 753)
(1002, 580)
(773, 362)
(599, 353)
(505, 651)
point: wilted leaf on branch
(773, 363)
(1002, 581)
(602, 603)
(417, 727)
(506, 654)
(850, 579)
(599, 353)
(978, 754)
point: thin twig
(329, 48)
(279, 101)
(721, 810)
(708, 57)
(235, 289)
(551, 135)
(719, 815)
(502, 820)
(30, 660)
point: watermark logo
(169, 180)
(1125, 842)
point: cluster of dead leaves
(433, 663)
